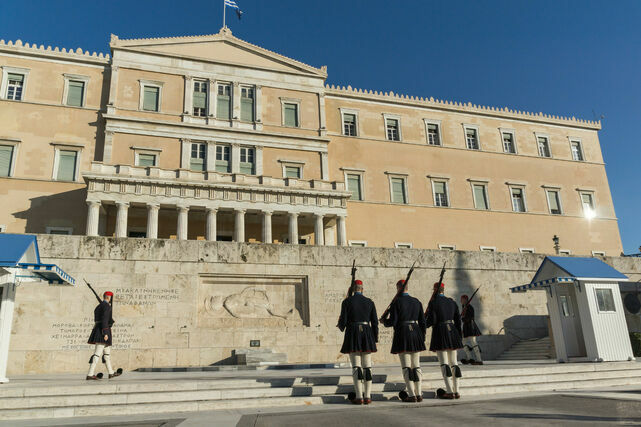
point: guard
(101, 337)
(470, 332)
(359, 322)
(444, 318)
(406, 316)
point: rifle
(469, 301)
(407, 279)
(436, 289)
(350, 291)
(92, 290)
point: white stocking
(357, 370)
(443, 361)
(416, 364)
(406, 365)
(97, 353)
(367, 364)
(107, 358)
(468, 346)
(477, 349)
(451, 355)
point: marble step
(230, 403)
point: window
(290, 114)
(598, 253)
(471, 138)
(200, 98)
(399, 195)
(146, 160)
(518, 199)
(487, 248)
(403, 245)
(605, 299)
(349, 124)
(544, 146)
(565, 252)
(508, 142)
(433, 129)
(3, 228)
(480, 196)
(354, 186)
(75, 93)
(222, 158)
(67, 165)
(292, 172)
(59, 230)
(15, 86)
(577, 152)
(554, 202)
(247, 104)
(587, 201)
(358, 243)
(392, 129)
(151, 98)
(447, 247)
(440, 193)
(526, 250)
(197, 156)
(223, 101)
(247, 160)
(6, 160)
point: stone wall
(190, 303)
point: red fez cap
(400, 283)
(465, 296)
(439, 285)
(108, 293)
(358, 282)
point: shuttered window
(6, 157)
(200, 99)
(472, 139)
(588, 203)
(223, 102)
(290, 115)
(398, 190)
(222, 158)
(349, 124)
(544, 147)
(354, 186)
(433, 137)
(480, 197)
(508, 143)
(440, 194)
(151, 95)
(197, 157)
(554, 202)
(577, 152)
(292, 172)
(146, 160)
(15, 85)
(67, 165)
(75, 93)
(392, 130)
(518, 201)
(247, 160)
(247, 104)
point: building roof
(19, 253)
(592, 268)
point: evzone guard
(444, 318)
(101, 336)
(470, 332)
(359, 322)
(405, 315)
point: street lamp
(555, 239)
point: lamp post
(555, 239)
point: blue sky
(571, 58)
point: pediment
(221, 48)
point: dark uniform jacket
(359, 321)
(406, 316)
(102, 326)
(469, 325)
(444, 318)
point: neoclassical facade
(211, 137)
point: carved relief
(249, 303)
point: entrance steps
(140, 393)
(533, 349)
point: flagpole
(224, 10)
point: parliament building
(211, 137)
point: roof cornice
(78, 55)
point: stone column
(235, 105)
(239, 226)
(189, 96)
(319, 230)
(185, 153)
(267, 227)
(8, 296)
(152, 220)
(293, 228)
(113, 90)
(93, 216)
(181, 229)
(235, 158)
(324, 166)
(258, 159)
(258, 105)
(341, 231)
(121, 219)
(108, 147)
(210, 231)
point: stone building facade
(214, 138)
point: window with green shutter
(554, 202)
(290, 115)
(151, 96)
(222, 158)
(440, 194)
(67, 165)
(15, 85)
(349, 124)
(223, 102)
(146, 160)
(198, 156)
(200, 98)
(354, 186)
(247, 104)
(398, 190)
(480, 197)
(75, 93)
(247, 160)
(6, 157)
(292, 172)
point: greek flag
(232, 3)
